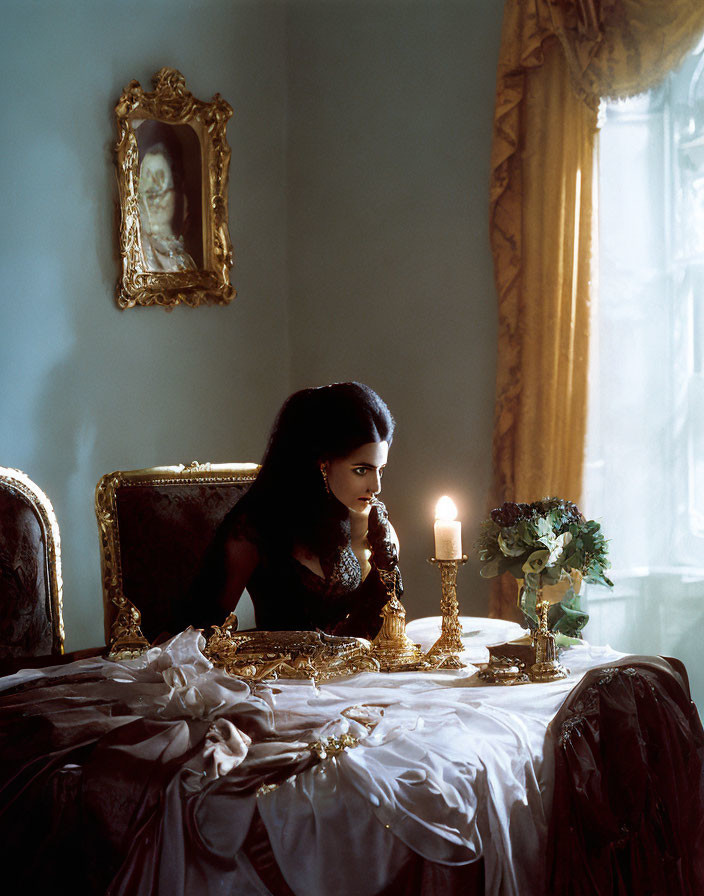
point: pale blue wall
(390, 117)
(87, 388)
(359, 185)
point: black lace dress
(288, 596)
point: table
(165, 764)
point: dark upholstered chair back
(155, 526)
(31, 621)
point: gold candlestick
(447, 648)
(546, 666)
(126, 639)
(392, 647)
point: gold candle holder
(445, 651)
(126, 639)
(546, 666)
(392, 647)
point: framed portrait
(172, 162)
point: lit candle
(448, 531)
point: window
(644, 474)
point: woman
(162, 212)
(310, 540)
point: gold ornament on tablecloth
(260, 655)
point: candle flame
(445, 509)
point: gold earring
(324, 471)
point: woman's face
(156, 188)
(355, 479)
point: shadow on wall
(69, 438)
(127, 399)
(88, 388)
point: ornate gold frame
(21, 483)
(122, 619)
(172, 104)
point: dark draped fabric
(82, 814)
(86, 788)
(628, 808)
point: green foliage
(539, 542)
(568, 617)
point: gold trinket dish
(258, 655)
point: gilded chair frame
(123, 634)
(42, 506)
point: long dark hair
(288, 503)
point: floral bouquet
(544, 543)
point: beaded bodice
(288, 595)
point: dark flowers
(510, 513)
(541, 541)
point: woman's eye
(360, 471)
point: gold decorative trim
(334, 745)
(122, 619)
(192, 284)
(40, 502)
(261, 655)
(326, 748)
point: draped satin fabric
(141, 778)
(557, 59)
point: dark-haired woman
(310, 540)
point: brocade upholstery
(25, 602)
(164, 530)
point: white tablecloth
(446, 765)
(455, 769)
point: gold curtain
(557, 59)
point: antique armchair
(31, 622)
(155, 525)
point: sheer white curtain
(645, 448)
